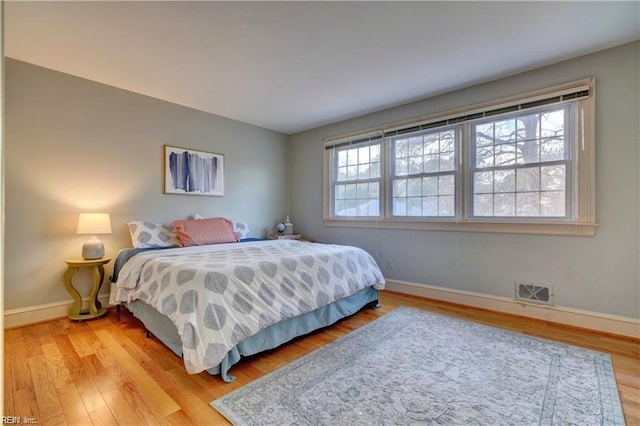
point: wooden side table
(95, 309)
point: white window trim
(584, 224)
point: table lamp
(93, 223)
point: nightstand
(95, 309)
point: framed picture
(187, 171)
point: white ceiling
(293, 66)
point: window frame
(335, 182)
(581, 221)
(392, 177)
(571, 142)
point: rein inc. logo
(16, 420)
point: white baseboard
(34, 314)
(613, 324)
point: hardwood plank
(103, 417)
(45, 392)
(164, 403)
(26, 404)
(16, 356)
(80, 344)
(190, 394)
(180, 418)
(74, 410)
(89, 393)
(55, 364)
(121, 410)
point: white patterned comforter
(218, 295)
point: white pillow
(242, 229)
(151, 235)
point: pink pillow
(200, 232)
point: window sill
(535, 228)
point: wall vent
(534, 293)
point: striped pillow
(200, 232)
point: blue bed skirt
(271, 337)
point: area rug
(417, 367)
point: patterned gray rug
(416, 367)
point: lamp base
(92, 249)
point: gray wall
(72, 146)
(598, 274)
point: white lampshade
(93, 223)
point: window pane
(483, 182)
(341, 206)
(375, 170)
(504, 181)
(401, 148)
(363, 190)
(340, 192)
(528, 126)
(552, 149)
(401, 167)
(342, 158)
(447, 185)
(352, 172)
(415, 146)
(552, 124)
(374, 190)
(484, 134)
(528, 179)
(447, 162)
(374, 207)
(483, 204)
(342, 173)
(350, 191)
(352, 208)
(505, 131)
(553, 178)
(484, 156)
(414, 187)
(431, 143)
(430, 206)
(505, 205)
(553, 204)
(399, 206)
(363, 171)
(374, 152)
(352, 157)
(528, 204)
(415, 165)
(430, 185)
(447, 141)
(505, 155)
(431, 163)
(446, 206)
(414, 206)
(528, 152)
(400, 188)
(363, 155)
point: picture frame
(193, 172)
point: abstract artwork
(187, 171)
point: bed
(214, 304)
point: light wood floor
(106, 371)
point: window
(357, 180)
(424, 174)
(521, 165)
